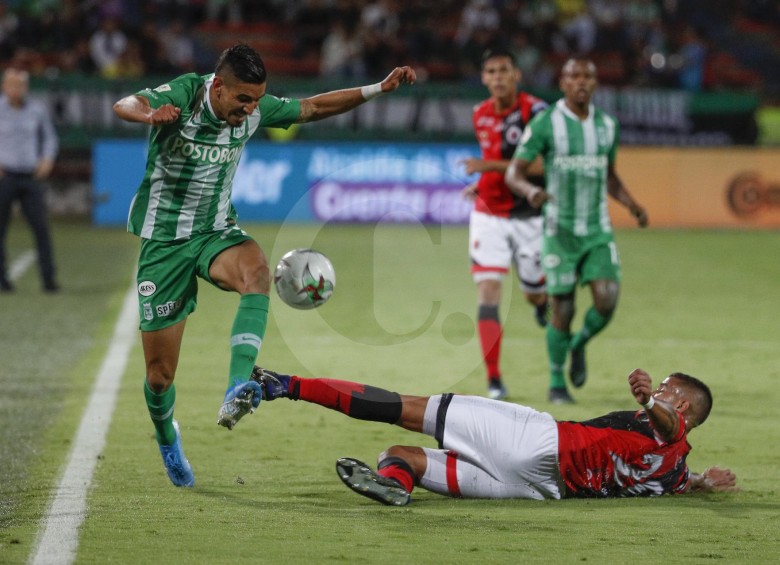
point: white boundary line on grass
(59, 540)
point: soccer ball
(304, 278)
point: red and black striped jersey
(498, 134)
(620, 455)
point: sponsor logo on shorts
(168, 308)
(148, 314)
(551, 261)
(147, 288)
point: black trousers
(31, 195)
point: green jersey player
(187, 224)
(578, 143)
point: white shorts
(496, 243)
(491, 449)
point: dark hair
(497, 51)
(702, 409)
(579, 58)
(243, 62)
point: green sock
(557, 349)
(161, 411)
(247, 336)
(593, 324)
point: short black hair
(243, 62)
(497, 51)
(705, 406)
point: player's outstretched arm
(137, 109)
(713, 479)
(340, 101)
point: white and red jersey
(620, 455)
(498, 134)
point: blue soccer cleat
(176, 465)
(274, 385)
(240, 400)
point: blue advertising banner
(305, 182)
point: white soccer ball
(304, 278)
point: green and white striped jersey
(576, 156)
(191, 163)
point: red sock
(356, 400)
(490, 334)
(330, 393)
(398, 469)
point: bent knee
(413, 456)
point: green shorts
(167, 271)
(583, 261)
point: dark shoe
(496, 390)
(542, 314)
(51, 287)
(560, 396)
(578, 370)
(363, 480)
(5, 285)
(275, 385)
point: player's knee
(563, 309)
(489, 292)
(605, 298)
(414, 457)
(255, 276)
(159, 376)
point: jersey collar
(207, 104)
(561, 105)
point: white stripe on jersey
(223, 205)
(606, 223)
(590, 146)
(155, 191)
(555, 180)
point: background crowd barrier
(396, 182)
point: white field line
(21, 264)
(58, 532)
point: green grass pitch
(402, 317)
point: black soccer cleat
(496, 389)
(578, 370)
(275, 385)
(560, 396)
(363, 480)
(542, 314)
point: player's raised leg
(605, 295)
(243, 268)
(356, 400)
